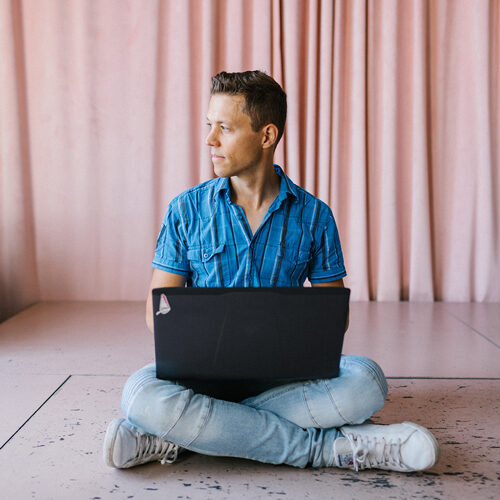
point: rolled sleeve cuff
(169, 268)
(326, 279)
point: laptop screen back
(276, 335)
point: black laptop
(233, 343)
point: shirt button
(205, 255)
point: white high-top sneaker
(126, 446)
(402, 447)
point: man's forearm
(149, 314)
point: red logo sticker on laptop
(164, 305)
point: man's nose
(211, 139)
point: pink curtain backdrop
(393, 120)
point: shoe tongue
(342, 450)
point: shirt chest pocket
(290, 266)
(297, 262)
(209, 265)
(293, 255)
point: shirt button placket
(250, 259)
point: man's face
(234, 146)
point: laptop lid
(249, 334)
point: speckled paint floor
(62, 367)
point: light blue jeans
(293, 424)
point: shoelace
(372, 453)
(155, 447)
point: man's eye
(222, 127)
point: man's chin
(220, 171)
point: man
(253, 227)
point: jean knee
(370, 374)
(134, 384)
(152, 404)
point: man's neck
(256, 190)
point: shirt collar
(287, 187)
(221, 186)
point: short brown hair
(265, 100)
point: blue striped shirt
(206, 237)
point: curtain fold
(418, 271)
(19, 286)
(393, 121)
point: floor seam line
(444, 378)
(485, 337)
(36, 411)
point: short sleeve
(171, 252)
(327, 263)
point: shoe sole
(430, 437)
(109, 441)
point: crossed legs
(295, 424)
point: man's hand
(161, 279)
(338, 283)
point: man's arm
(161, 279)
(338, 283)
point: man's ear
(269, 135)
